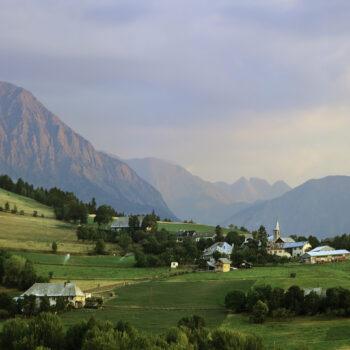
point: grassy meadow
(174, 227)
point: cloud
(203, 83)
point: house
(297, 248)
(174, 264)
(223, 265)
(324, 256)
(123, 222)
(53, 291)
(205, 236)
(221, 247)
(181, 235)
(322, 249)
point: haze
(224, 88)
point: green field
(155, 306)
(79, 260)
(174, 227)
(24, 203)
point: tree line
(263, 301)
(46, 331)
(66, 205)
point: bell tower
(276, 232)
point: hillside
(190, 197)
(317, 207)
(36, 233)
(37, 146)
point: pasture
(174, 227)
(24, 203)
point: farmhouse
(53, 291)
(205, 236)
(322, 249)
(221, 247)
(297, 248)
(321, 257)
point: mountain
(318, 207)
(190, 197)
(37, 146)
(253, 189)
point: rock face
(317, 207)
(190, 197)
(37, 146)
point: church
(285, 246)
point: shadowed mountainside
(190, 197)
(318, 207)
(37, 146)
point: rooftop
(54, 290)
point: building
(324, 256)
(221, 247)
(297, 248)
(181, 235)
(322, 248)
(53, 291)
(223, 265)
(205, 236)
(174, 265)
(123, 222)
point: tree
(259, 312)
(35, 213)
(219, 234)
(27, 276)
(236, 301)
(45, 304)
(54, 247)
(235, 239)
(100, 247)
(47, 330)
(7, 206)
(104, 214)
(149, 223)
(134, 223)
(13, 268)
(262, 237)
(61, 304)
(124, 240)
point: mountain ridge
(37, 146)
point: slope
(37, 146)
(319, 207)
(188, 196)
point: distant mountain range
(190, 197)
(37, 146)
(318, 207)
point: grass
(174, 227)
(206, 295)
(24, 203)
(307, 276)
(79, 260)
(316, 333)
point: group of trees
(18, 272)
(46, 332)
(263, 301)
(66, 205)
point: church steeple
(276, 231)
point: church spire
(276, 231)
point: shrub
(21, 212)
(293, 275)
(259, 313)
(54, 247)
(35, 213)
(100, 247)
(281, 313)
(236, 301)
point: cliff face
(37, 146)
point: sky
(225, 88)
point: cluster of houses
(276, 245)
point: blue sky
(224, 88)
